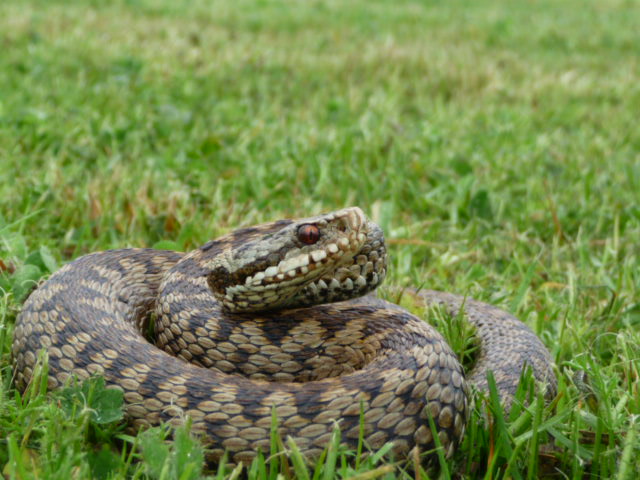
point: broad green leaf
(103, 463)
(24, 280)
(155, 451)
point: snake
(275, 322)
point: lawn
(496, 142)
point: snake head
(296, 263)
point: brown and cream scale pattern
(398, 386)
(506, 344)
(315, 366)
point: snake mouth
(301, 263)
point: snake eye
(308, 234)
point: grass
(496, 142)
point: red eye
(308, 234)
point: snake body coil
(239, 309)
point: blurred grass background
(496, 142)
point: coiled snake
(239, 309)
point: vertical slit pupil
(308, 234)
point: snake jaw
(276, 269)
(365, 273)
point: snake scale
(270, 318)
